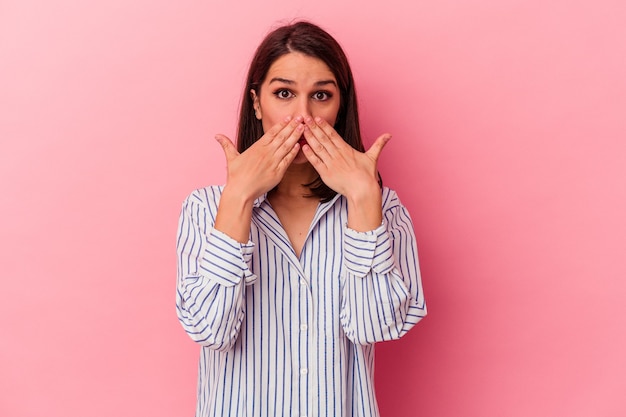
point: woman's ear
(256, 105)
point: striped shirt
(289, 336)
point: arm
(381, 293)
(382, 296)
(213, 270)
(254, 172)
(213, 244)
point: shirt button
(304, 371)
(302, 282)
(303, 327)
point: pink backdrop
(509, 150)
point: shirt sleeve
(382, 297)
(213, 271)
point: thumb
(227, 146)
(378, 145)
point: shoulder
(390, 199)
(207, 196)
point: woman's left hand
(341, 167)
(347, 171)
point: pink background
(509, 150)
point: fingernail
(288, 118)
(318, 119)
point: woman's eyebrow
(291, 82)
(325, 82)
(281, 80)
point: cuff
(365, 251)
(227, 261)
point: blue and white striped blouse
(283, 336)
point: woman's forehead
(297, 68)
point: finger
(270, 134)
(283, 131)
(327, 134)
(227, 146)
(293, 130)
(378, 145)
(315, 143)
(291, 155)
(273, 131)
(286, 145)
(314, 159)
(321, 137)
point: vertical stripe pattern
(283, 336)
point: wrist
(364, 194)
(234, 214)
(365, 210)
(234, 196)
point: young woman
(290, 272)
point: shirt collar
(260, 200)
(257, 203)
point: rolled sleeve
(227, 261)
(367, 251)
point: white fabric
(283, 336)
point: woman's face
(297, 85)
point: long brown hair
(311, 40)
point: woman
(291, 271)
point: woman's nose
(302, 107)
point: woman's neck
(292, 184)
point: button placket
(305, 307)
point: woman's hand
(261, 167)
(341, 167)
(254, 172)
(347, 171)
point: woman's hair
(311, 40)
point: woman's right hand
(261, 167)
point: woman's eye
(321, 96)
(283, 94)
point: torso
(295, 215)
